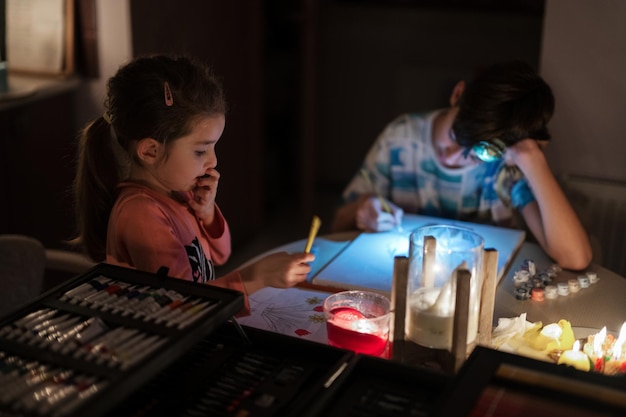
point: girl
(146, 179)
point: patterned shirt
(403, 167)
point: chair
(22, 270)
(27, 269)
(62, 265)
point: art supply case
(209, 366)
(56, 358)
(493, 382)
(264, 374)
(279, 375)
(373, 386)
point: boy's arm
(551, 218)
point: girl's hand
(203, 198)
(280, 270)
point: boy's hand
(371, 217)
(523, 152)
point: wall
(373, 62)
(114, 48)
(228, 35)
(376, 61)
(379, 61)
(127, 29)
(583, 57)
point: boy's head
(504, 104)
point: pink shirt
(148, 230)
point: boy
(480, 160)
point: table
(601, 304)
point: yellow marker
(315, 226)
(383, 202)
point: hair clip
(169, 99)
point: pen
(315, 226)
(335, 375)
(195, 313)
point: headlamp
(488, 151)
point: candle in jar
(575, 358)
(350, 329)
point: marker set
(158, 305)
(89, 339)
(85, 345)
(32, 387)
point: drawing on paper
(293, 311)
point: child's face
(449, 153)
(191, 156)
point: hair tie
(169, 99)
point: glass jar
(435, 253)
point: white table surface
(602, 304)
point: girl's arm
(218, 236)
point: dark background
(310, 84)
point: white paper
(293, 312)
(367, 263)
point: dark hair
(138, 106)
(508, 101)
